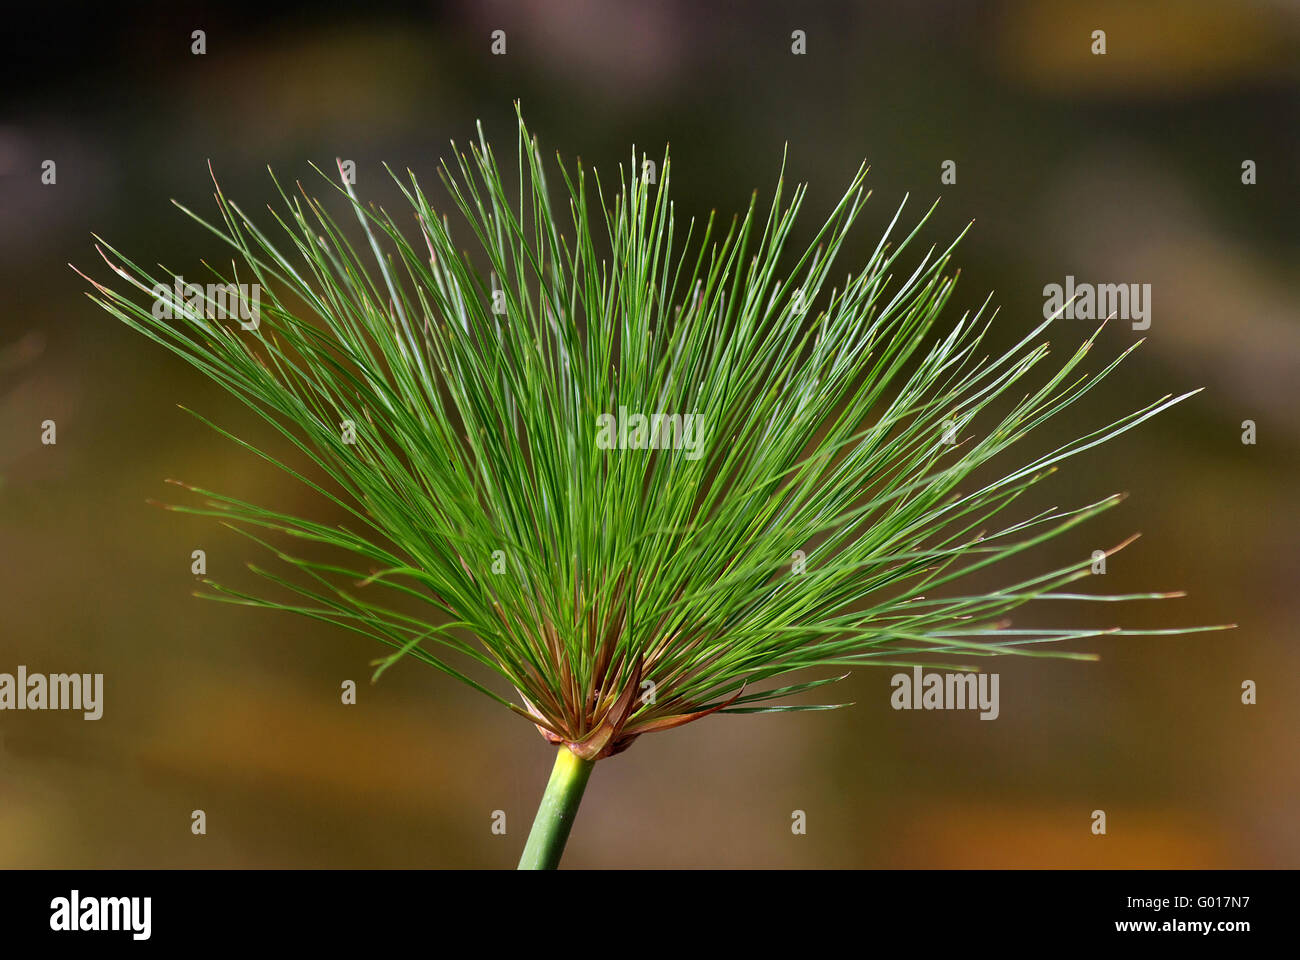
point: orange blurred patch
(1003, 837)
(1150, 47)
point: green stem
(558, 808)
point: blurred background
(1123, 168)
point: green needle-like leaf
(806, 499)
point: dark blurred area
(1122, 168)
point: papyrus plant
(827, 519)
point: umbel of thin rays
(601, 593)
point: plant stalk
(555, 815)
